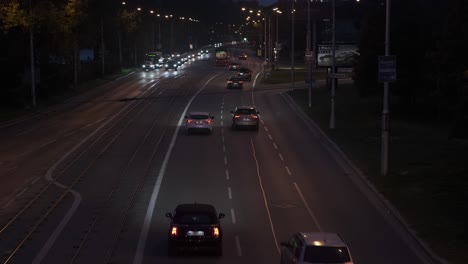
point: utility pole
(386, 111)
(102, 47)
(333, 80)
(31, 54)
(308, 52)
(265, 46)
(292, 45)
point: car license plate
(195, 233)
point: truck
(222, 56)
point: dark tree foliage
(429, 38)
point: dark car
(195, 227)
(243, 57)
(171, 65)
(244, 74)
(234, 66)
(234, 82)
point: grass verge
(427, 179)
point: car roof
(199, 113)
(322, 239)
(245, 107)
(195, 207)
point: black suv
(245, 74)
(195, 226)
(171, 65)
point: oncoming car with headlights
(171, 65)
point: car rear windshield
(199, 117)
(195, 218)
(327, 254)
(246, 111)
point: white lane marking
(77, 197)
(224, 148)
(266, 128)
(221, 122)
(225, 160)
(287, 170)
(280, 156)
(261, 121)
(33, 182)
(71, 133)
(271, 138)
(308, 207)
(229, 193)
(221, 112)
(227, 175)
(154, 195)
(264, 197)
(253, 87)
(233, 216)
(8, 204)
(275, 146)
(221, 118)
(238, 246)
(21, 193)
(222, 137)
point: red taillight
(254, 116)
(216, 232)
(190, 121)
(237, 116)
(240, 81)
(208, 121)
(229, 81)
(174, 231)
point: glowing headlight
(151, 65)
(167, 65)
(174, 65)
(143, 66)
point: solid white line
(8, 204)
(154, 195)
(281, 156)
(21, 193)
(270, 136)
(264, 197)
(308, 207)
(266, 128)
(229, 193)
(275, 146)
(33, 182)
(238, 246)
(233, 216)
(227, 174)
(253, 87)
(225, 160)
(287, 170)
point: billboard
(345, 55)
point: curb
(386, 209)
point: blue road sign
(387, 68)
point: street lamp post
(332, 93)
(386, 111)
(292, 44)
(309, 75)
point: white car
(199, 122)
(315, 248)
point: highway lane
(96, 177)
(269, 184)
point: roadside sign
(387, 68)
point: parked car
(195, 227)
(315, 248)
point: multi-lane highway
(91, 181)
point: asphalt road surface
(91, 180)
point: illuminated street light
(243, 9)
(123, 3)
(139, 8)
(151, 11)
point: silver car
(315, 248)
(199, 122)
(245, 116)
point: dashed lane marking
(229, 193)
(227, 175)
(287, 170)
(281, 157)
(225, 160)
(238, 246)
(233, 216)
(271, 138)
(275, 146)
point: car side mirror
(169, 215)
(221, 215)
